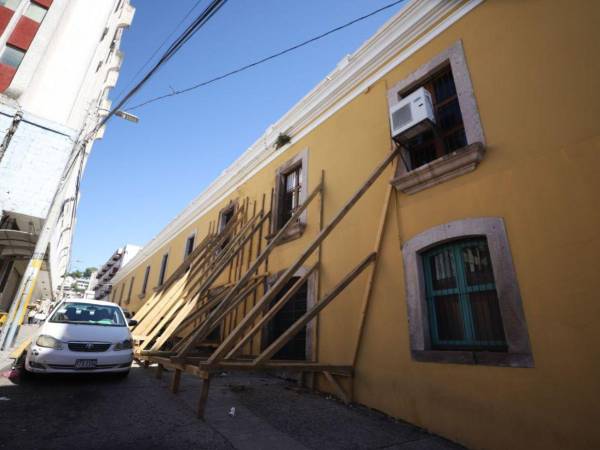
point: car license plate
(86, 363)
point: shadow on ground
(139, 412)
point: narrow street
(140, 412)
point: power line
(151, 57)
(266, 59)
(202, 18)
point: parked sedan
(82, 336)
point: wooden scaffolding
(177, 324)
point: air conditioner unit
(412, 115)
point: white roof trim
(353, 74)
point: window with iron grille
(461, 294)
(448, 134)
(290, 194)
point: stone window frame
(519, 353)
(296, 230)
(459, 161)
(311, 300)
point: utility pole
(29, 279)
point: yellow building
(481, 324)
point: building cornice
(410, 29)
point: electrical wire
(202, 18)
(266, 59)
(151, 57)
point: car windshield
(88, 314)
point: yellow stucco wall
(534, 67)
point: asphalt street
(93, 412)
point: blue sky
(141, 175)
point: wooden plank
(181, 315)
(229, 341)
(369, 287)
(215, 323)
(171, 297)
(175, 381)
(219, 267)
(201, 333)
(200, 363)
(339, 391)
(272, 311)
(312, 312)
(203, 396)
(154, 299)
(166, 318)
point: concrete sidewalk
(25, 332)
(275, 413)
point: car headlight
(49, 342)
(125, 345)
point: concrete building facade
(58, 61)
(481, 325)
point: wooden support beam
(175, 381)
(369, 287)
(272, 311)
(337, 388)
(313, 311)
(232, 338)
(203, 396)
(202, 332)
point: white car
(82, 336)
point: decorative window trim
(296, 230)
(513, 317)
(455, 163)
(445, 168)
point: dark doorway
(295, 349)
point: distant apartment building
(59, 60)
(104, 276)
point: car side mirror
(132, 322)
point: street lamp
(124, 115)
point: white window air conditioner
(412, 115)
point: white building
(58, 61)
(110, 268)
